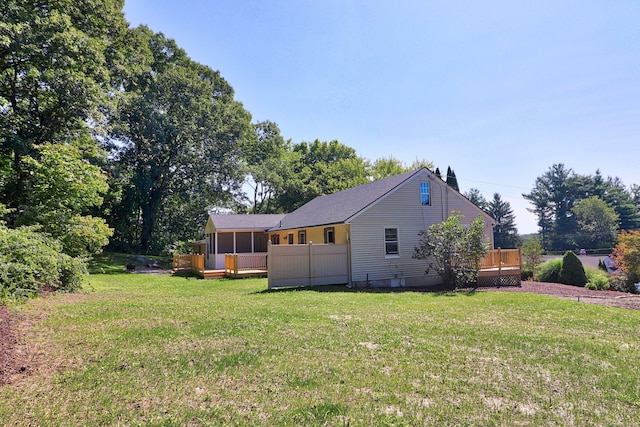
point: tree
(597, 223)
(438, 174)
(452, 181)
(266, 158)
(177, 140)
(532, 254)
(552, 200)
(319, 168)
(55, 57)
(64, 187)
(572, 270)
(505, 233)
(452, 250)
(627, 254)
(388, 166)
(477, 199)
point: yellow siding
(314, 234)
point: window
(275, 239)
(290, 238)
(302, 237)
(329, 235)
(424, 193)
(391, 241)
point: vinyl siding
(403, 210)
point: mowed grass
(161, 350)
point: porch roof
(258, 222)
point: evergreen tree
(438, 174)
(505, 233)
(477, 199)
(452, 181)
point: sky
(498, 90)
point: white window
(391, 242)
(424, 193)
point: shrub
(572, 271)
(32, 260)
(622, 283)
(526, 273)
(549, 271)
(596, 279)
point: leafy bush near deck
(572, 270)
(549, 271)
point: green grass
(160, 350)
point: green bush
(572, 271)
(32, 260)
(549, 271)
(596, 279)
(622, 283)
(526, 273)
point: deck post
(499, 262)
(235, 265)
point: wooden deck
(236, 266)
(501, 267)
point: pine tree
(452, 181)
(438, 173)
(505, 233)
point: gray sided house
(241, 234)
(376, 226)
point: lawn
(137, 349)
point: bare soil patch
(7, 344)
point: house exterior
(241, 234)
(376, 226)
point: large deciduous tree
(597, 223)
(177, 139)
(55, 58)
(319, 168)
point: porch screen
(260, 242)
(243, 243)
(225, 243)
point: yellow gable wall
(315, 234)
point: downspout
(349, 282)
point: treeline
(582, 211)
(113, 134)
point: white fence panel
(307, 265)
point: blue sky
(499, 91)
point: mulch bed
(9, 365)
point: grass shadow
(439, 290)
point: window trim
(395, 254)
(302, 237)
(275, 239)
(424, 184)
(290, 238)
(329, 231)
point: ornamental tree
(453, 250)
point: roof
(245, 222)
(339, 207)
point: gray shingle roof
(339, 207)
(245, 222)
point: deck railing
(193, 262)
(502, 258)
(233, 263)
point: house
(236, 234)
(365, 236)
